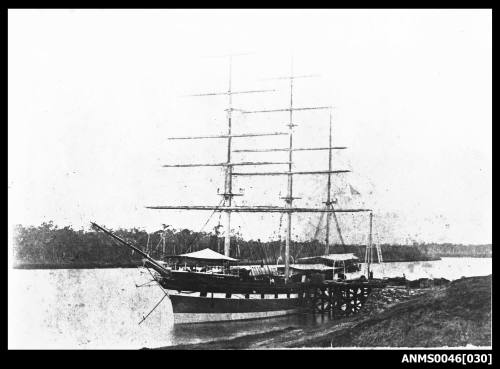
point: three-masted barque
(205, 286)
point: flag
(354, 191)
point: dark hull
(207, 283)
(201, 297)
(196, 309)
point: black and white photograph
(256, 179)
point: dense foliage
(49, 245)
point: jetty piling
(339, 298)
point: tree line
(48, 244)
(449, 249)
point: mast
(289, 198)
(328, 188)
(368, 254)
(229, 169)
(329, 202)
(228, 193)
(228, 206)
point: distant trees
(448, 249)
(48, 244)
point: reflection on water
(101, 308)
(195, 333)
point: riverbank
(450, 250)
(49, 247)
(76, 265)
(395, 253)
(453, 315)
(135, 264)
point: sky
(93, 96)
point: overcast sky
(94, 94)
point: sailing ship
(205, 286)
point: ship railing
(208, 269)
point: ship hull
(192, 308)
(213, 283)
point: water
(449, 268)
(101, 308)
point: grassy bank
(455, 315)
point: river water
(101, 308)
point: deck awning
(207, 254)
